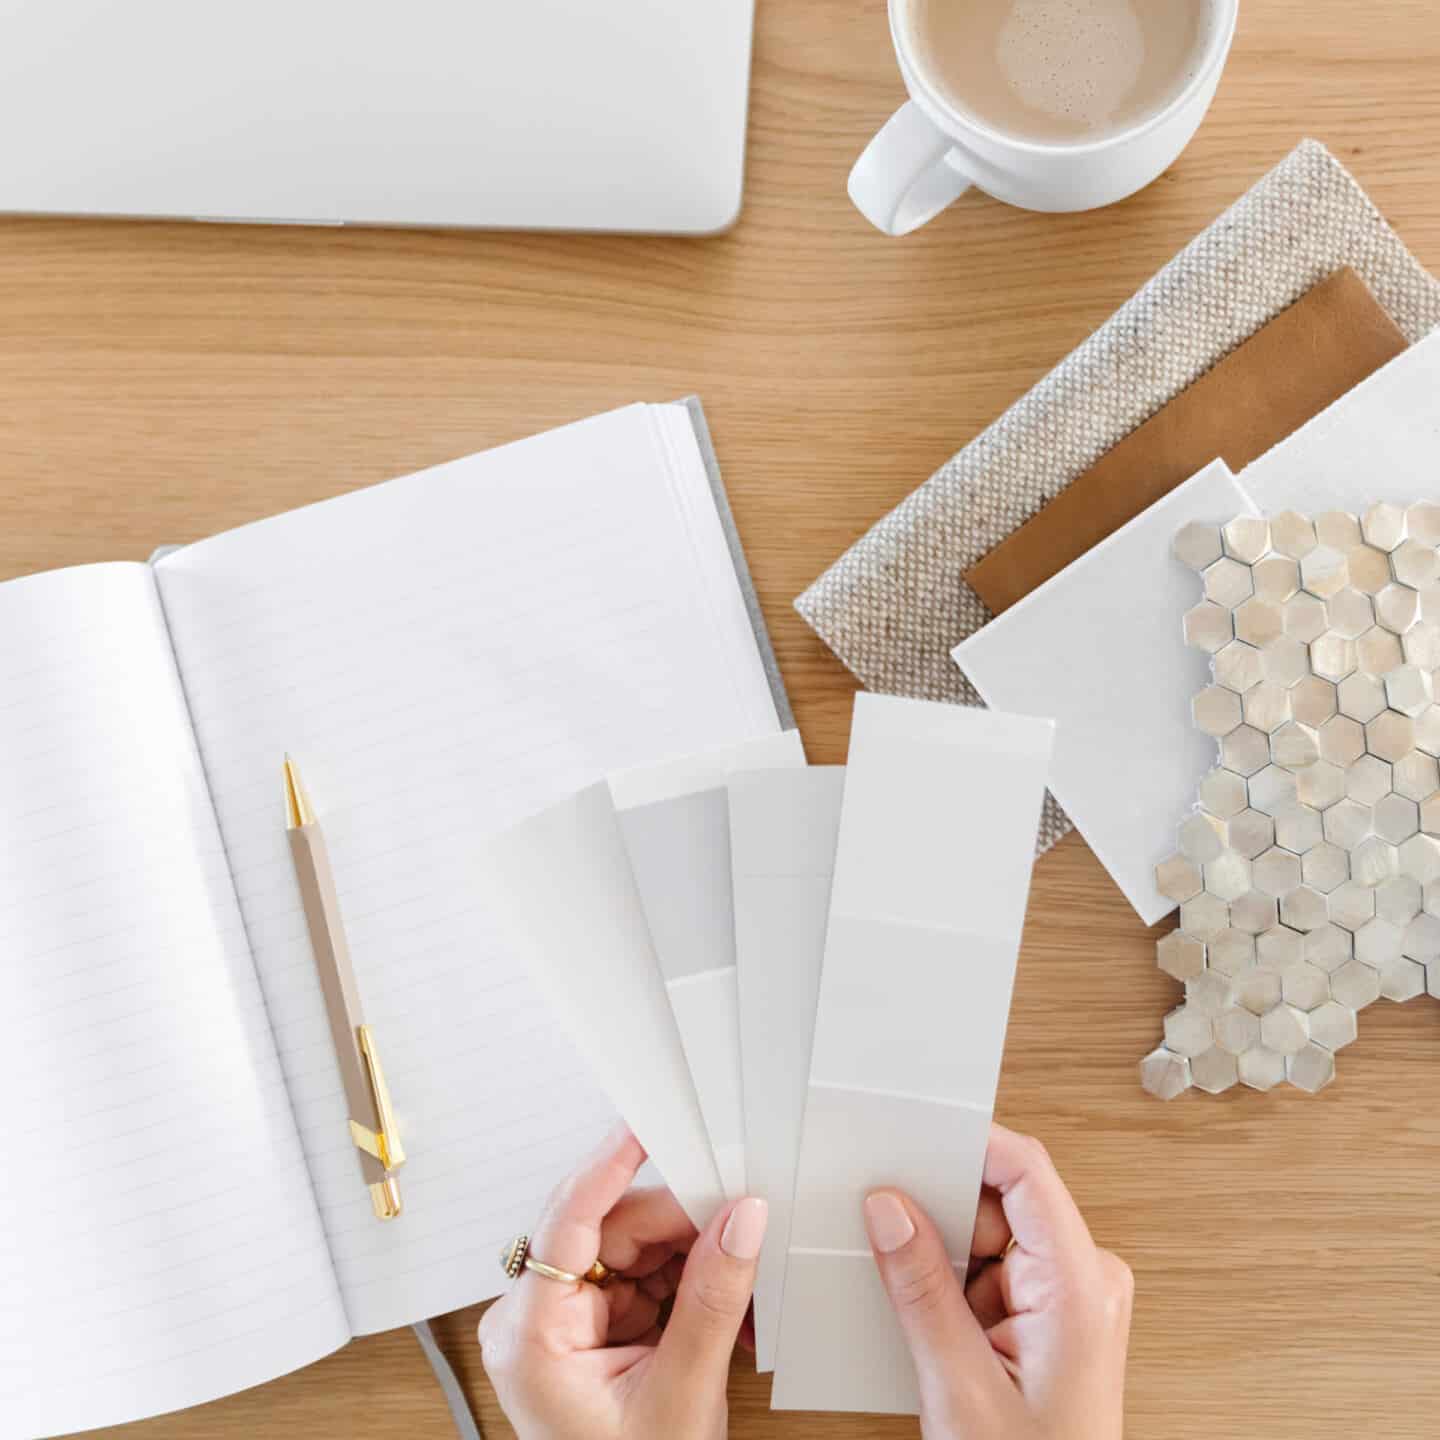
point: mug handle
(906, 174)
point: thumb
(714, 1294)
(958, 1371)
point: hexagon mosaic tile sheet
(1308, 876)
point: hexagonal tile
(1416, 776)
(1430, 815)
(1397, 607)
(1276, 872)
(1222, 793)
(1346, 823)
(1209, 993)
(1188, 1032)
(1351, 905)
(1325, 866)
(1402, 979)
(1421, 646)
(1422, 522)
(1415, 564)
(1205, 916)
(1292, 535)
(1236, 1030)
(1377, 941)
(1311, 1069)
(1398, 899)
(1227, 582)
(1367, 780)
(1356, 984)
(1397, 818)
(1367, 569)
(1304, 617)
(1229, 876)
(1246, 538)
(1362, 697)
(1320, 785)
(1427, 731)
(1250, 833)
(1266, 706)
(1274, 579)
(1430, 902)
(1372, 862)
(1238, 667)
(1279, 948)
(1258, 622)
(1332, 656)
(1197, 545)
(1304, 986)
(1202, 837)
(1430, 605)
(1327, 948)
(1230, 953)
(1432, 981)
(1165, 1074)
(1261, 1069)
(1297, 828)
(1420, 859)
(1341, 739)
(1285, 661)
(1349, 613)
(1338, 529)
(1313, 701)
(1333, 1025)
(1245, 750)
(1258, 990)
(1214, 1071)
(1304, 909)
(1325, 571)
(1383, 526)
(1391, 736)
(1421, 939)
(1252, 913)
(1216, 710)
(1179, 955)
(1208, 627)
(1377, 652)
(1285, 1029)
(1408, 689)
(1294, 746)
(1272, 790)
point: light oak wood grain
(161, 382)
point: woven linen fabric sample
(895, 604)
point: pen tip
(297, 802)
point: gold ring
(516, 1257)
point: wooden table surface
(161, 382)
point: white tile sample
(1380, 441)
(783, 829)
(562, 886)
(676, 823)
(932, 875)
(1100, 647)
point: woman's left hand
(577, 1362)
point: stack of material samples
(794, 982)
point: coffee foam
(1072, 59)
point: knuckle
(1037, 1157)
(919, 1287)
(718, 1299)
(1117, 1288)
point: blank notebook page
(161, 1244)
(443, 655)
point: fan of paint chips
(1308, 878)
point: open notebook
(443, 654)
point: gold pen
(372, 1123)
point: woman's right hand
(1033, 1343)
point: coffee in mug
(1060, 71)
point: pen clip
(383, 1144)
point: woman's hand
(1033, 1344)
(575, 1362)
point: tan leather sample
(1290, 370)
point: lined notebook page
(161, 1244)
(444, 655)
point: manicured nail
(889, 1225)
(744, 1231)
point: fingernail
(744, 1231)
(889, 1225)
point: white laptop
(535, 114)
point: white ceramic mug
(929, 153)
